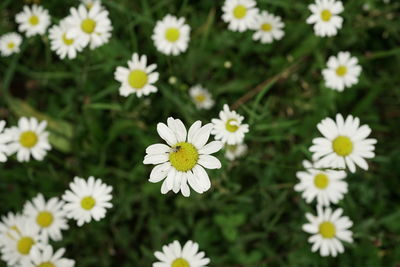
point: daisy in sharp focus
(342, 71)
(33, 20)
(201, 97)
(45, 256)
(29, 139)
(4, 140)
(48, 216)
(87, 200)
(240, 14)
(183, 160)
(327, 186)
(328, 230)
(233, 152)
(19, 241)
(344, 143)
(229, 127)
(171, 35)
(8, 223)
(138, 78)
(325, 17)
(10, 43)
(268, 27)
(92, 25)
(63, 46)
(173, 255)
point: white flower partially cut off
(138, 78)
(325, 17)
(45, 256)
(344, 143)
(8, 223)
(33, 20)
(239, 14)
(342, 71)
(9, 44)
(5, 138)
(268, 27)
(173, 255)
(87, 200)
(327, 186)
(329, 228)
(183, 160)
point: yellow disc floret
(326, 15)
(10, 45)
(44, 219)
(321, 181)
(231, 125)
(183, 156)
(266, 27)
(180, 262)
(327, 229)
(66, 40)
(239, 11)
(34, 20)
(28, 139)
(24, 245)
(341, 71)
(200, 98)
(137, 79)
(88, 25)
(46, 264)
(87, 203)
(172, 34)
(342, 145)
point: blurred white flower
(268, 27)
(5, 138)
(8, 223)
(233, 152)
(201, 97)
(240, 14)
(325, 17)
(33, 20)
(10, 43)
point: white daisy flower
(201, 97)
(344, 143)
(325, 17)
(48, 216)
(63, 46)
(268, 27)
(8, 223)
(5, 138)
(93, 26)
(229, 127)
(33, 20)
(10, 43)
(138, 78)
(29, 139)
(45, 256)
(19, 241)
(327, 186)
(240, 14)
(183, 160)
(233, 152)
(328, 230)
(173, 255)
(171, 35)
(87, 200)
(342, 71)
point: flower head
(325, 17)
(33, 20)
(201, 97)
(240, 14)
(233, 152)
(10, 43)
(45, 256)
(268, 27)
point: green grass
(251, 216)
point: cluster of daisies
(87, 25)
(25, 237)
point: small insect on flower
(10, 43)
(240, 14)
(173, 255)
(183, 160)
(33, 20)
(325, 17)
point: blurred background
(251, 216)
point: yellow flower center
(137, 79)
(66, 40)
(44, 219)
(24, 245)
(326, 15)
(87, 203)
(342, 145)
(28, 139)
(34, 20)
(231, 125)
(341, 71)
(172, 34)
(321, 180)
(88, 25)
(183, 156)
(266, 27)
(200, 98)
(10, 45)
(46, 264)
(239, 11)
(180, 262)
(327, 229)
